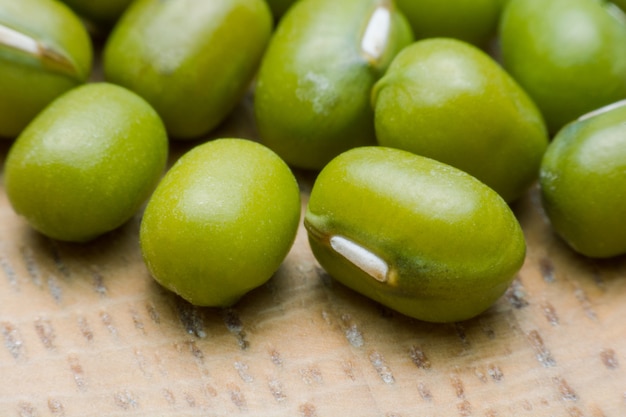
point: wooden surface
(85, 331)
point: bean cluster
(422, 118)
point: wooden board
(85, 331)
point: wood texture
(85, 331)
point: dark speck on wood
(55, 289)
(56, 407)
(195, 350)
(516, 294)
(8, 270)
(352, 332)
(547, 270)
(465, 408)
(137, 321)
(276, 358)
(457, 384)
(566, 391)
(107, 320)
(191, 401)
(495, 372)
(190, 318)
(235, 326)
(31, 265)
(378, 362)
(582, 297)
(153, 313)
(609, 359)
(78, 372)
(550, 313)
(45, 331)
(85, 329)
(125, 400)
(12, 340)
(169, 396)
(460, 332)
(56, 257)
(277, 390)
(419, 358)
(242, 370)
(544, 356)
(311, 375)
(237, 397)
(26, 410)
(424, 392)
(307, 410)
(98, 283)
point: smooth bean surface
(192, 60)
(312, 96)
(583, 183)
(569, 55)
(448, 100)
(87, 163)
(416, 235)
(221, 222)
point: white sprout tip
(365, 260)
(19, 41)
(376, 35)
